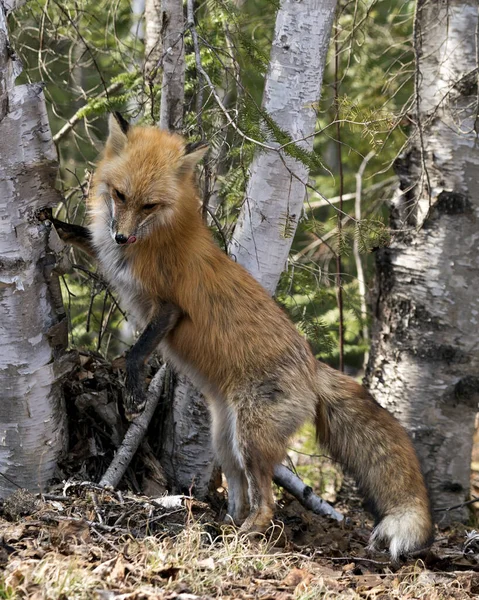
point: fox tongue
(131, 239)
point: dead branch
(303, 493)
(135, 434)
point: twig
(135, 434)
(357, 256)
(361, 559)
(310, 204)
(78, 116)
(10, 480)
(101, 526)
(218, 226)
(105, 540)
(466, 503)
(302, 492)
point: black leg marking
(162, 323)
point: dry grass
(71, 548)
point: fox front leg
(161, 324)
(75, 235)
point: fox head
(140, 183)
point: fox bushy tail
(375, 449)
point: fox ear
(193, 154)
(118, 130)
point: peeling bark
(424, 362)
(276, 188)
(33, 326)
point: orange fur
(258, 374)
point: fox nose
(120, 238)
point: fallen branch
(135, 434)
(303, 493)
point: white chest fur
(117, 271)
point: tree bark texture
(153, 38)
(276, 188)
(173, 82)
(187, 455)
(165, 58)
(33, 325)
(424, 362)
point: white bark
(153, 39)
(165, 57)
(33, 326)
(173, 82)
(276, 190)
(424, 362)
(138, 10)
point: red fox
(216, 324)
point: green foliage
(83, 48)
(371, 233)
(6, 592)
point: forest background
(92, 60)
(82, 49)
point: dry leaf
(295, 577)
(12, 532)
(69, 531)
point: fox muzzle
(123, 239)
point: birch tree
(276, 188)
(165, 58)
(424, 360)
(33, 326)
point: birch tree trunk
(165, 58)
(276, 189)
(173, 82)
(33, 325)
(153, 38)
(424, 363)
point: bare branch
(303, 493)
(135, 434)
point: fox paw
(134, 404)
(257, 521)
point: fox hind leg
(224, 443)
(267, 415)
(259, 453)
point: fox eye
(148, 206)
(120, 196)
